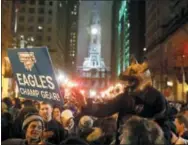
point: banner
(34, 74)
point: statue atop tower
(94, 60)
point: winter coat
(59, 132)
(91, 135)
(6, 126)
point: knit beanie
(31, 117)
(86, 122)
(67, 114)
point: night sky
(83, 37)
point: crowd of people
(33, 123)
(139, 115)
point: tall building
(93, 45)
(38, 24)
(7, 39)
(121, 37)
(137, 29)
(167, 37)
(71, 20)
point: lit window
(40, 27)
(72, 12)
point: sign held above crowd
(34, 74)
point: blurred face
(56, 113)
(46, 112)
(34, 130)
(67, 123)
(179, 126)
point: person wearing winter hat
(67, 120)
(33, 127)
(88, 132)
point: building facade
(121, 38)
(72, 35)
(137, 29)
(7, 40)
(169, 71)
(45, 23)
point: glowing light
(32, 39)
(82, 92)
(144, 49)
(94, 31)
(40, 27)
(169, 83)
(93, 93)
(71, 84)
(61, 77)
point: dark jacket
(150, 104)
(59, 132)
(6, 126)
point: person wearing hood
(88, 132)
(67, 121)
(33, 127)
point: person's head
(137, 75)
(56, 113)
(27, 103)
(181, 123)
(8, 102)
(16, 103)
(37, 105)
(45, 111)
(185, 111)
(33, 126)
(141, 131)
(67, 119)
(86, 122)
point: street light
(94, 31)
(93, 93)
(144, 49)
(40, 27)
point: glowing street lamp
(144, 49)
(94, 31)
(93, 93)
